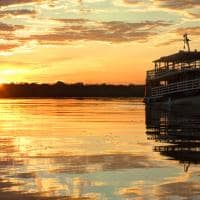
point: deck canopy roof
(181, 56)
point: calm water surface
(98, 149)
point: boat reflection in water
(176, 130)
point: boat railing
(170, 69)
(177, 87)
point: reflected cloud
(109, 162)
(100, 162)
(132, 192)
(8, 152)
(52, 168)
(26, 175)
(187, 190)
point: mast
(186, 42)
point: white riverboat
(175, 78)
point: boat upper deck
(175, 63)
(180, 57)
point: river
(97, 149)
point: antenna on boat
(186, 41)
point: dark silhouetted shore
(62, 90)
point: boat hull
(190, 100)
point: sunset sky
(91, 41)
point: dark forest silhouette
(61, 89)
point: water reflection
(69, 149)
(176, 131)
(60, 174)
(88, 149)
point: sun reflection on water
(84, 149)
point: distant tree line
(61, 89)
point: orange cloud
(9, 27)
(169, 42)
(113, 31)
(14, 2)
(178, 5)
(190, 30)
(131, 1)
(7, 31)
(6, 47)
(195, 15)
(20, 12)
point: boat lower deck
(184, 100)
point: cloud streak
(17, 2)
(21, 12)
(131, 1)
(195, 31)
(169, 42)
(113, 31)
(7, 47)
(7, 27)
(178, 5)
